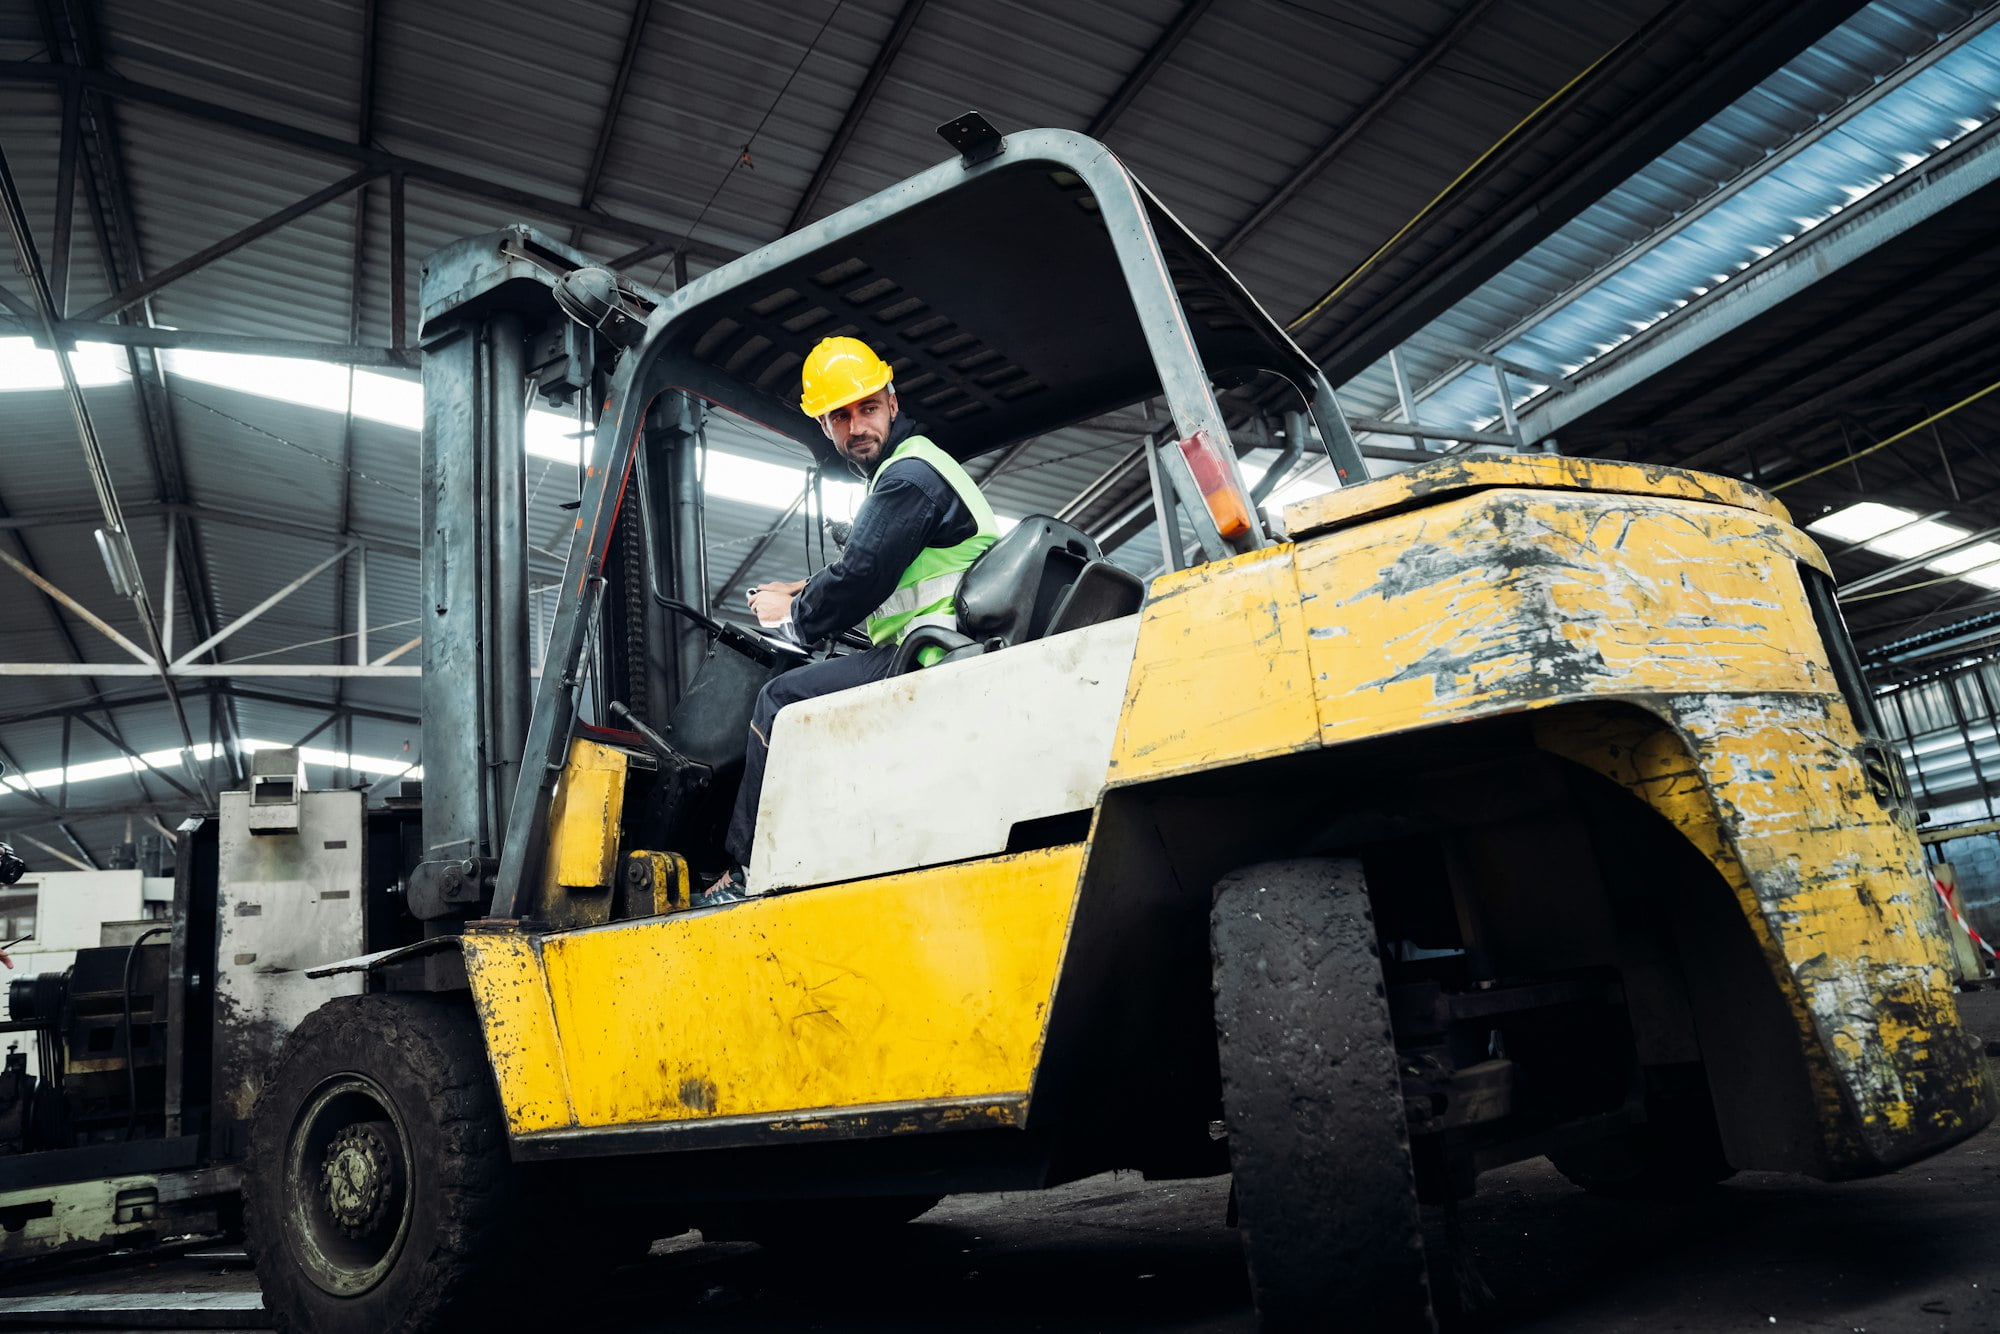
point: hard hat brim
(874, 383)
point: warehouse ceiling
(1477, 186)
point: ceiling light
(1859, 523)
(1967, 558)
(1914, 539)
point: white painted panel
(284, 903)
(939, 765)
(71, 908)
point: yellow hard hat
(838, 372)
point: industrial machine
(150, 1047)
(1506, 807)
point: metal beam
(380, 544)
(1759, 170)
(115, 530)
(375, 712)
(57, 853)
(109, 810)
(1915, 563)
(864, 97)
(1429, 431)
(1953, 176)
(764, 544)
(187, 659)
(1978, 333)
(71, 332)
(65, 229)
(1149, 65)
(228, 245)
(201, 671)
(325, 145)
(145, 767)
(634, 31)
(1762, 38)
(76, 608)
(71, 32)
(1356, 125)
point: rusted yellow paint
(1830, 879)
(1431, 483)
(933, 984)
(585, 819)
(1219, 674)
(505, 970)
(1503, 600)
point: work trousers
(801, 683)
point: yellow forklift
(1500, 808)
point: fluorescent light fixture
(550, 435)
(25, 366)
(1901, 534)
(1859, 523)
(1914, 539)
(1967, 558)
(123, 766)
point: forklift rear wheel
(1325, 1191)
(379, 1184)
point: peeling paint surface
(1221, 672)
(1770, 789)
(930, 985)
(1503, 600)
(1465, 596)
(1431, 482)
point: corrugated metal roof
(517, 95)
(1902, 80)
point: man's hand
(772, 603)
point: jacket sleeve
(901, 516)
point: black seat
(1042, 578)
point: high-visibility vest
(925, 593)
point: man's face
(861, 429)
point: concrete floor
(1919, 1251)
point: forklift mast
(495, 340)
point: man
(919, 529)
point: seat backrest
(1103, 592)
(1013, 589)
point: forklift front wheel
(379, 1183)
(1311, 1097)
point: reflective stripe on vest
(924, 593)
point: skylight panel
(25, 366)
(1859, 523)
(122, 766)
(1967, 558)
(1914, 539)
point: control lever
(654, 741)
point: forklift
(1504, 807)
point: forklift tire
(379, 1193)
(1326, 1195)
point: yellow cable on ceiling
(1884, 444)
(1438, 198)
